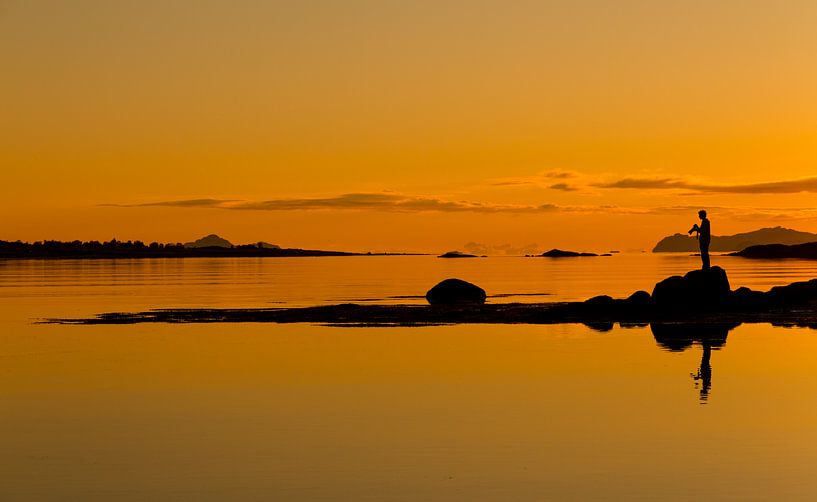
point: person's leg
(705, 255)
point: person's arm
(695, 228)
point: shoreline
(350, 314)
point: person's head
(702, 214)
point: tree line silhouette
(138, 249)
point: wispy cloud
(354, 201)
(563, 186)
(572, 181)
(773, 187)
(545, 178)
(394, 202)
(179, 203)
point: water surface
(470, 412)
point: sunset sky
(406, 126)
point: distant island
(558, 253)
(457, 254)
(213, 240)
(210, 246)
(777, 235)
(807, 251)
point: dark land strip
(699, 297)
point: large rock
(698, 290)
(796, 293)
(455, 292)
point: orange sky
(420, 126)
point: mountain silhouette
(209, 241)
(737, 242)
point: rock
(697, 290)
(456, 254)
(743, 299)
(558, 253)
(796, 293)
(600, 302)
(455, 292)
(601, 327)
(639, 299)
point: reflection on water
(140, 284)
(676, 337)
(257, 411)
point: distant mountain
(777, 235)
(267, 245)
(209, 241)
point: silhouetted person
(703, 236)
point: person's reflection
(677, 337)
(704, 376)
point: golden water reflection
(255, 411)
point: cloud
(563, 186)
(774, 187)
(353, 201)
(542, 179)
(394, 202)
(573, 181)
(179, 203)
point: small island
(457, 254)
(558, 253)
(806, 251)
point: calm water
(301, 412)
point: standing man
(703, 237)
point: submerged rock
(705, 289)
(455, 292)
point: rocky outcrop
(706, 289)
(455, 292)
(679, 305)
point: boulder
(455, 292)
(602, 301)
(745, 299)
(796, 293)
(705, 289)
(639, 299)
